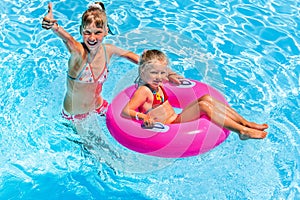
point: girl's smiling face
(155, 74)
(93, 36)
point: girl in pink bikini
(87, 66)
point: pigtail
(97, 5)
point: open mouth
(92, 43)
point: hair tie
(95, 5)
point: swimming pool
(249, 50)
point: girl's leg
(231, 113)
(206, 106)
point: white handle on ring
(186, 83)
(157, 127)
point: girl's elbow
(125, 114)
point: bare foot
(250, 133)
(254, 125)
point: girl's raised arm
(50, 23)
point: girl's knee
(204, 106)
(206, 103)
(206, 98)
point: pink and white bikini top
(87, 76)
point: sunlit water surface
(248, 50)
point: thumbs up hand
(48, 20)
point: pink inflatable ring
(172, 140)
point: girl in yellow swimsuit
(150, 102)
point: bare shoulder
(142, 92)
(115, 50)
(109, 47)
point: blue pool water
(247, 49)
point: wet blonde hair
(94, 14)
(147, 60)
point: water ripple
(249, 50)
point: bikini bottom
(100, 110)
